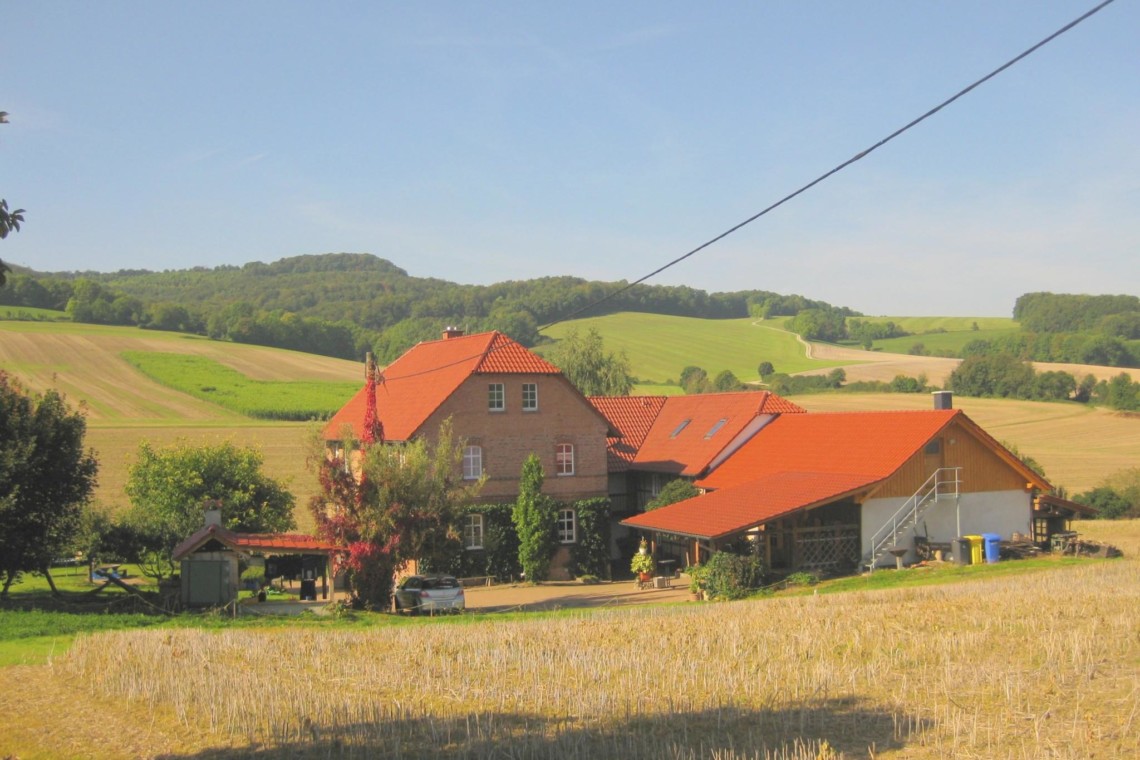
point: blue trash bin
(992, 543)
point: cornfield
(1030, 666)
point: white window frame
(564, 460)
(530, 394)
(472, 462)
(567, 526)
(473, 532)
(496, 397)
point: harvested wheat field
(1042, 664)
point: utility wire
(858, 156)
(836, 170)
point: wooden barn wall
(982, 468)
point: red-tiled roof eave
(644, 521)
(295, 543)
(285, 542)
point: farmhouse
(836, 491)
(504, 403)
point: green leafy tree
(535, 522)
(765, 369)
(394, 505)
(1109, 504)
(727, 381)
(673, 492)
(9, 222)
(46, 480)
(694, 380)
(584, 361)
(170, 488)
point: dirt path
(883, 367)
(553, 596)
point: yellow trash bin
(977, 549)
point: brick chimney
(452, 332)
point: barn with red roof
(834, 491)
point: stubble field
(1034, 665)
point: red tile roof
(875, 444)
(417, 383)
(282, 543)
(631, 417)
(685, 437)
(732, 510)
(800, 461)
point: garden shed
(209, 561)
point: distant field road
(877, 365)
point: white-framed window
(564, 459)
(473, 532)
(567, 526)
(530, 397)
(472, 462)
(496, 397)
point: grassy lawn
(659, 347)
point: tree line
(345, 304)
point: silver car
(429, 593)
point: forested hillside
(343, 304)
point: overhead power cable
(858, 156)
(837, 169)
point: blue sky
(481, 142)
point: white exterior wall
(1001, 512)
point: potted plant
(696, 582)
(643, 564)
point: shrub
(733, 576)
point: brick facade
(509, 436)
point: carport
(209, 561)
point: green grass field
(942, 336)
(659, 347)
(29, 313)
(261, 399)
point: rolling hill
(1078, 445)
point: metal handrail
(933, 485)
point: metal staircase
(944, 483)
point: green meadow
(659, 346)
(32, 314)
(943, 336)
(210, 381)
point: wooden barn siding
(982, 468)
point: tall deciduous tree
(169, 489)
(46, 479)
(584, 361)
(535, 521)
(391, 504)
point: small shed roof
(278, 543)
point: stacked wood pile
(1019, 548)
(1073, 545)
